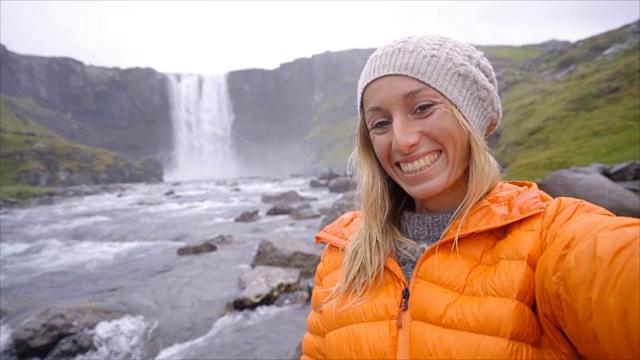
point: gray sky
(212, 37)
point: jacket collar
(507, 203)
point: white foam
(5, 338)
(262, 187)
(181, 208)
(52, 255)
(249, 317)
(72, 222)
(13, 249)
(125, 338)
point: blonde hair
(383, 201)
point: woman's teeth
(420, 164)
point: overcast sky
(211, 37)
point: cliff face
(275, 109)
(125, 110)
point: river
(118, 248)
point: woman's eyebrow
(373, 109)
(407, 95)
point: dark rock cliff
(124, 110)
(275, 109)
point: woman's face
(418, 141)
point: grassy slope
(336, 141)
(332, 133)
(591, 114)
(23, 142)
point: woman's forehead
(397, 86)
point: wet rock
(197, 248)
(263, 284)
(290, 196)
(73, 345)
(598, 168)
(325, 210)
(341, 185)
(248, 216)
(347, 202)
(299, 297)
(330, 174)
(593, 187)
(305, 213)
(626, 171)
(9, 201)
(316, 183)
(40, 334)
(288, 253)
(281, 208)
(631, 185)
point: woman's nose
(405, 136)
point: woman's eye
(423, 108)
(379, 124)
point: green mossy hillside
(34, 159)
(332, 133)
(575, 107)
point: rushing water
(119, 248)
(202, 116)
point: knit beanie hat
(457, 70)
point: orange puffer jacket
(532, 277)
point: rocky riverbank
(279, 270)
(157, 267)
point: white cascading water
(202, 116)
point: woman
(445, 260)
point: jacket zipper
(404, 305)
(403, 313)
(403, 325)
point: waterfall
(202, 116)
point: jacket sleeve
(588, 279)
(313, 340)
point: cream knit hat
(457, 70)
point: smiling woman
(418, 140)
(445, 260)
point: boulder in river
(197, 248)
(39, 335)
(290, 196)
(305, 213)
(263, 284)
(70, 346)
(347, 202)
(341, 184)
(281, 208)
(288, 253)
(248, 216)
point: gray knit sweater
(424, 229)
